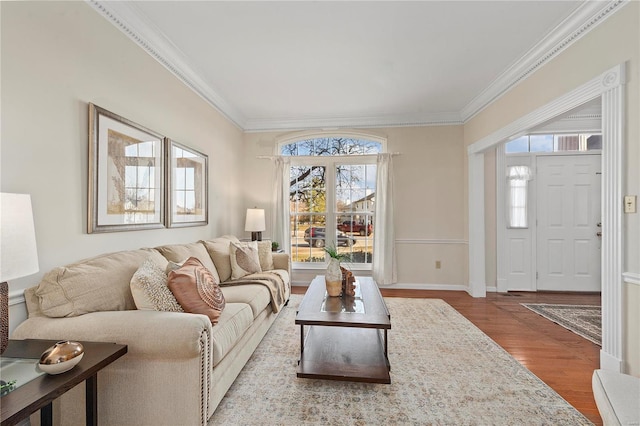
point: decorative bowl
(61, 357)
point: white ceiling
(291, 65)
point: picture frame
(188, 184)
(126, 189)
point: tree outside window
(332, 197)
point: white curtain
(281, 203)
(384, 246)
(517, 179)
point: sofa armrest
(282, 261)
(149, 334)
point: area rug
(584, 320)
(444, 371)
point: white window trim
(330, 162)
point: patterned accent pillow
(150, 291)
(265, 255)
(196, 290)
(244, 259)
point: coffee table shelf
(347, 342)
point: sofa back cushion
(219, 250)
(100, 283)
(178, 253)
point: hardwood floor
(560, 358)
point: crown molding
(570, 30)
(408, 120)
(127, 18)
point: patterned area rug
(444, 371)
(584, 320)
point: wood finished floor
(560, 358)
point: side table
(39, 393)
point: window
(332, 196)
(554, 143)
(517, 180)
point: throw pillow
(265, 255)
(150, 291)
(244, 259)
(196, 290)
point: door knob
(599, 224)
(599, 234)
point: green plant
(274, 245)
(332, 251)
(6, 387)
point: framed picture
(187, 186)
(126, 174)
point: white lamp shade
(18, 251)
(255, 220)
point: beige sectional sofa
(178, 366)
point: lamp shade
(255, 220)
(18, 251)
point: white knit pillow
(149, 289)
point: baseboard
(609, 362)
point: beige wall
(615, 41)
(429, 198)
(57, 57)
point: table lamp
(255, 223)
(18, 252)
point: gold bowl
(61, 357)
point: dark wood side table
(39, 393)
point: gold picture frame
(126, 189)
(187, 186)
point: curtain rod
(271, 157)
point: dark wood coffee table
(347, 336)
(38, 393)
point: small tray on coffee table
(347, 336)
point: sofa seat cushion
(233, 322)
(256, 296)
(100, 283)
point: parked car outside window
(315, 237)
(356, 227)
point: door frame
(502, 251)
(610, 86)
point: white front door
(568, 214)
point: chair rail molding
(610, 87)
(631, 278)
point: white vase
(333, 278)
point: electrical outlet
(629, 203)
(438, 264)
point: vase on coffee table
(333, 278)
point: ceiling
(271, 65)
